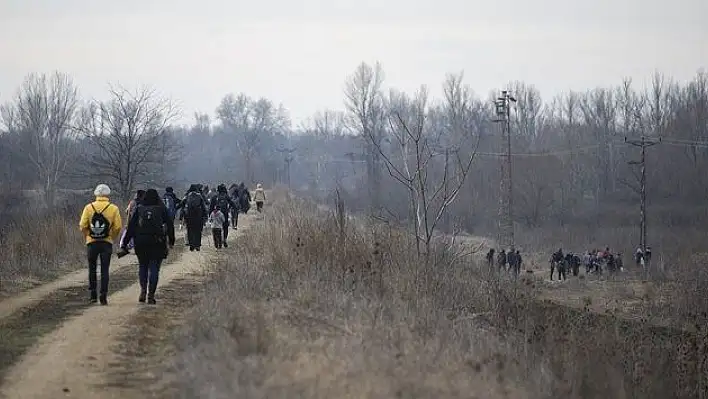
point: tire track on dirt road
(32, 296)
(75, 358)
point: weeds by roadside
(38, 248)
(308, 309)
(315, 306)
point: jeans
(99, 250)
(149, 274)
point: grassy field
(306, 308)
(311, 308)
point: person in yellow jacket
(101, 225)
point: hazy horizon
(301, 54)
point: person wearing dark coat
(194, 218)
(152, 230)
(244, 198)
(225, 204)
(490, 257)
(170, 197)
(235, 194)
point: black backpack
(150, 221)
(193, 205)
(223, 202)
(100, 228)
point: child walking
(217, 220)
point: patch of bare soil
(147, 344)
(23, 328)
(85, 356)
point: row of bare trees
(403, 156)
(50, 135)
(570, 163)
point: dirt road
(75, 360)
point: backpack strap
(104, 209)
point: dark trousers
(561, 270)
(194, 234)
(148, 275)
(217, 237)
(99, 250)
(225, 229)
(234, 217)
(259, 206)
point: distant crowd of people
(150, 230)
(595, 262)
(562, 264)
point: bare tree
(365, 116)
(328, 124)
(129, 137)
(429, 163)
(599, 112)
(250, 122)
(658, 100)
(529, 111)
(202, 124)
(40, 120)
(535, 188)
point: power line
(541, 153)
(684, 143)
(547, 153)
(491, 154)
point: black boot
(104, 300)
(151, 299)
(94, 297)
(141, 298)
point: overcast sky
(299, 52)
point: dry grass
(307, 309)
(39, 243)
(36, 248)
(620, 336)
(673, 293)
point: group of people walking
(150, 230)
(562, 264)
(510, 260)
(595, 261)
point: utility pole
(506, 218)
(643, 142)
(288, 151)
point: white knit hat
(102, 190)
